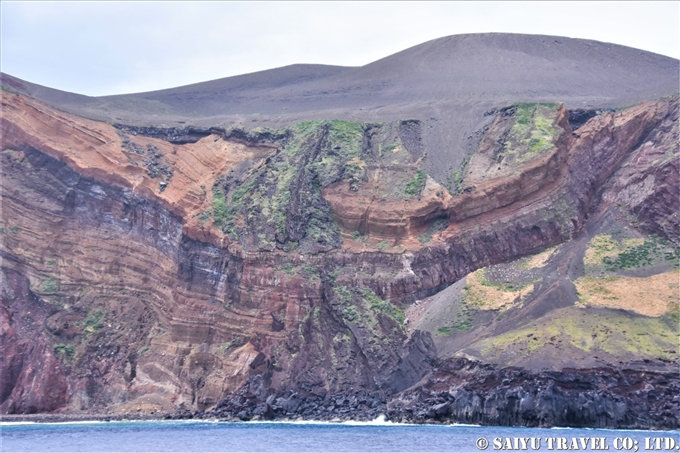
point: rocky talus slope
(318, 271)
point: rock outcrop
(469, 392)
(266, 274)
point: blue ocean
(206, 436)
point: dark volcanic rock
(461, 391)
(253, 402)
(177, 135)
(579, 117)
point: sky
(104, 48)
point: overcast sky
(99, 48)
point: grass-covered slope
(604, 298)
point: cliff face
(255, 271)
(598, 398)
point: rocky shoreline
(457, 391)
(468, 392)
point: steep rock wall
(141, 308)
(469, 392)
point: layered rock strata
(121, 294)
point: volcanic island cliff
(480, 229)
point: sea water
(205, 436)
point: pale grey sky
(100, 48)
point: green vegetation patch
(288, 268)
(644, 254)
(219, 210)
(674, 313)
(415, 185)
(454, 181)
(310, 272)
(92, 321)
(391, 147)
(361, 306)
(614, 333)
(344, 159)
(224, 347)
(66, 350)
(367, 317)
(204, 217)
(280, 203)
(49, 286)
(382, 306)
(618, 251)
(533, 133)
(462, 321)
